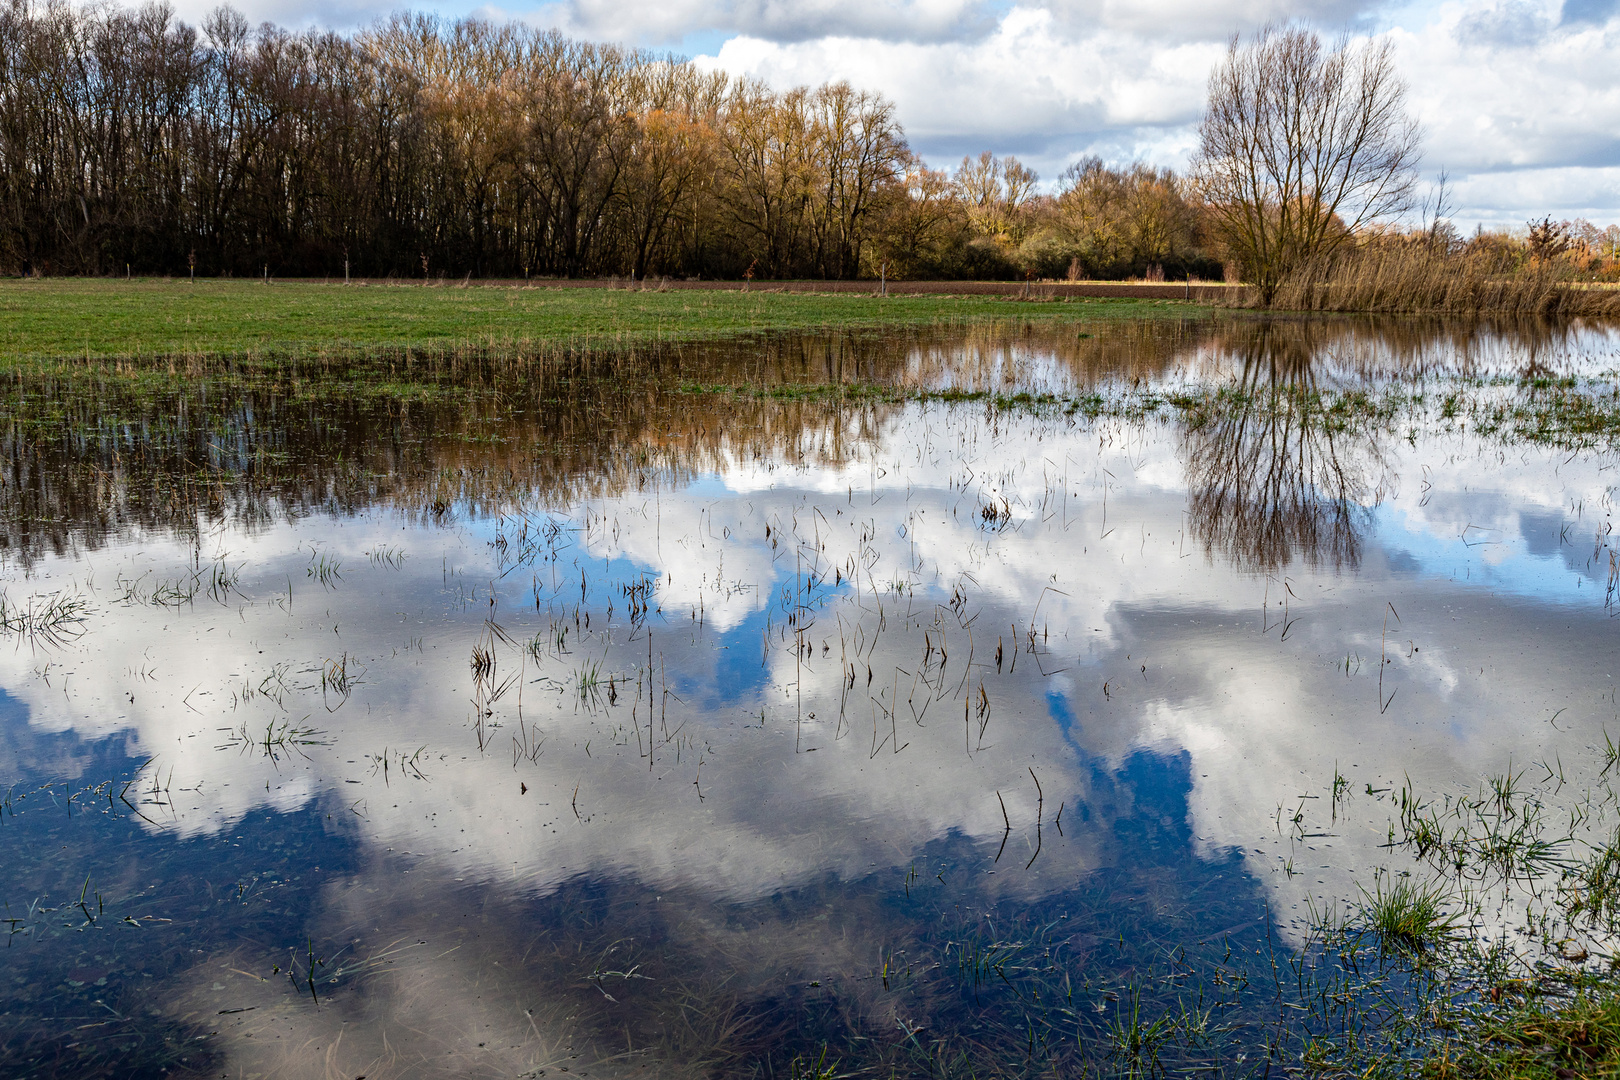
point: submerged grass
(1571, 415)
(1492, 954)
(276, 741)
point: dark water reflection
(173, 965)
(685, 713)
(88, 453)
(1272, 478)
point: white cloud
(1178, 20)
(1024, 88)
(660, 23)
(1525, 119)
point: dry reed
(1415, 278)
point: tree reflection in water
(1273, 475)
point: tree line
(131, 142)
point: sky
(1519, 99)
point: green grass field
(87, 318)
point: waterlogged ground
(974, 704)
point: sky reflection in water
(640, 726)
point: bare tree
(862, 155)
(922, 221)
(1301, 146)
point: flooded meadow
(1223, 696)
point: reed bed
(1416, 279)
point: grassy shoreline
(70, 318)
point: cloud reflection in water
(758, 659)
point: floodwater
(612, 722)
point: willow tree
(1124, 220)
(1302, 145)
(995, 192)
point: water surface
(920, 706)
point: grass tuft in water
(51, 620)
(276, 741)
(325, 569)
(1406, 914)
